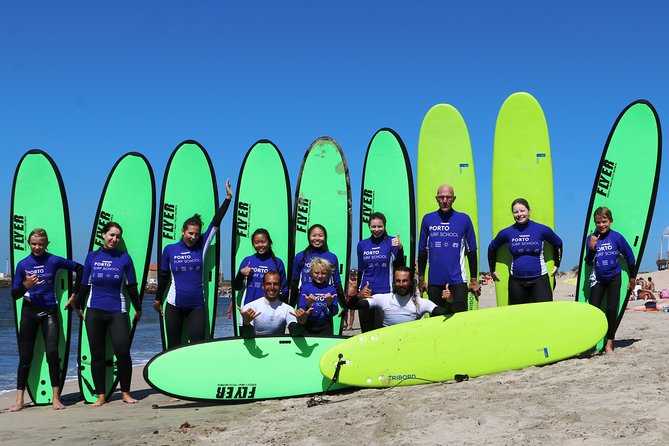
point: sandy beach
(618, 399)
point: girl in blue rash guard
(320, 296)
(34, 281)
(253, 268)
(605, 247)
(184, 262)
(106, 272)
(528, 278)
(378, 255)
(318, 247)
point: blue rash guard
(605, 259)
(375, 263)
(446, 237)
(321, 313)
(186, 266)
(107, 271)
(45, 267)
(302, 265)
(252, 284)
(526, 247)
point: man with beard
(402, 305)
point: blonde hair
(322, 264)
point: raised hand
(248, 315)
(302, 315)
(247, 269)
(594, 238)
(396, 242)
(366, 292)
(228, 189)
(446, 294)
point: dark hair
(520, 201)
(650, 279)
(603, 211)
(111, 224)
(195, 220)
(325, 233)
(378, 216)
(271, 273)
(38, 232)
(265, 232)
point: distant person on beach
(35, 282)
(404, 304)
(646, 290)
(378, 255)
(446, 237)
(319, 297)
(528, 275)
(183, 262)
(351, 290)
(268, 315)
(605, 247)
(107, 271)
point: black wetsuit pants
(98, 322)
(319, 329)
(459, 293)
(611, 291)
(32, 318)
(525, 291)
(174, 322)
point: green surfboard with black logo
(626, 182)
(522, 167)
(39, 201)
(189, 187)
(129, 199)
(259, 206)
(323, 196)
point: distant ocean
(145, 345)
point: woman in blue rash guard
(378, 256)
(106, 272)
(528, 278)
(183, 262)
(318, 248)
(34, 281)
(605, 247)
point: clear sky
(89, 81)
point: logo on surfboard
(169, 217)
(367, 204)
(103, 219)
(236, 392)
(302, 218)
(605, 178)
(242, 219)
(19, 232)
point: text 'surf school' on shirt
(446, 238)
(375, 263)
(605, 258)
(252, 284)
(321, 311)
(107, 271)
(186, 265)
(526, 245)
(45, 267)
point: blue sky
(90, 81)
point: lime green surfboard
(237, 369)
(522, 167)
(445, 156)
(257, 206)
(49, 212)
(189, 187)
(387, 157)
(498, 339)
(323, 196)
(129, 199)
(626, 182)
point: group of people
(384, 290)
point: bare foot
(608, 348)
(100, 401)
(174, 400)
(127, 398)
(16, 407)
(57, 405)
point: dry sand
(618, 399)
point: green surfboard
(387, 158)
(128, 198)
(498, 339)
(189, 187)
(522, 167)
(49, 212)
(259, 206)
(323, 196)
(445, 156)
(626, 182)
(237, 369)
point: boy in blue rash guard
(318, 247)
(34, 281)
(605, 247)
(378, 255)
(446, 236)
(319, 296)
(184, 263)
(528, 278)
(106, 272)
(253, 268)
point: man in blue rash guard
(446, 236)
(184, 262)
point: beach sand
(618, 399)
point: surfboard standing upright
(323, 196)
(262, 201)
(38, 176)
(189, 187)
(522, 167)
(445, 156)
(626, 182)
(129, 199)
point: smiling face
(445, 197)
(316, 238)
(111, 238)
(318, 274)
(603, 224)
(271, 284)
(38, 244)
(402, 283)
(260, 243)
(520, 213)
(191, 235)
(377, 227)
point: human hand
(302, 315)
(593, 241)
(228, 189)
(249, 315)
(396, 242)
(158, 306)
(31, 281)
(366, 292)
(494, 276)
(247, 270)
(446, 294)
